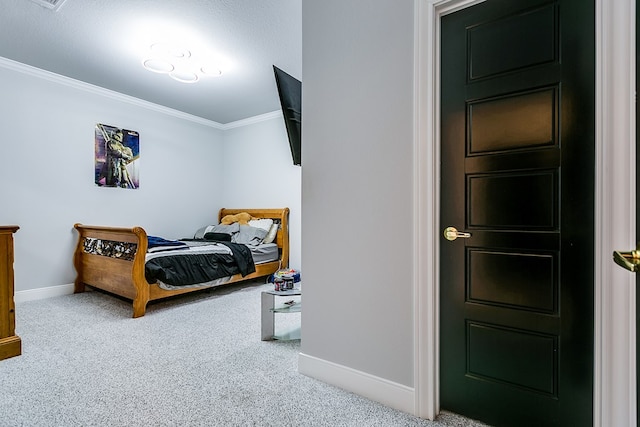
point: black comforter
(188, 269)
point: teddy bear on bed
(241, 218)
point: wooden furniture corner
(10, 343)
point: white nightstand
(279, 302)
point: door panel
(518, 280)
(518, 162)
(531, 41)
(518, 121)
(493, 349)
(508, 200)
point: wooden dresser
(10, 344)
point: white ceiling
(103, 43)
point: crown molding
(77, 84)
(252, 120)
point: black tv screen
(290, 92)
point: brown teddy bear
(242, 218)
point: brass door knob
(451, 234)
(628, 260)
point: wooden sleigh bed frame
(126, 278)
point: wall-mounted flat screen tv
(290, 92)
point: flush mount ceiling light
(178, 62)
(184, 76)
(54, 5)
(211, 70)
(158, 66)
(170, 50)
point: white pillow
(271, 235)
(264, 223)
(201, 232)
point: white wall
(357, 187)
(46, 171)
(259, 171)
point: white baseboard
(388, 393)
(42, 293)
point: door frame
(615, 208)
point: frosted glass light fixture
(184, 76)
(158, 65)
(178, 62)
(211, 70)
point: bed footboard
(112, 259)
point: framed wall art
(117, 156)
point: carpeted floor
(193, 361)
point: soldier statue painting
(113, 157)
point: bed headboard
(280, 216)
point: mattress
(260, 254)
(264, 253)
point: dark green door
(517, 174)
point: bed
(114, 259)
